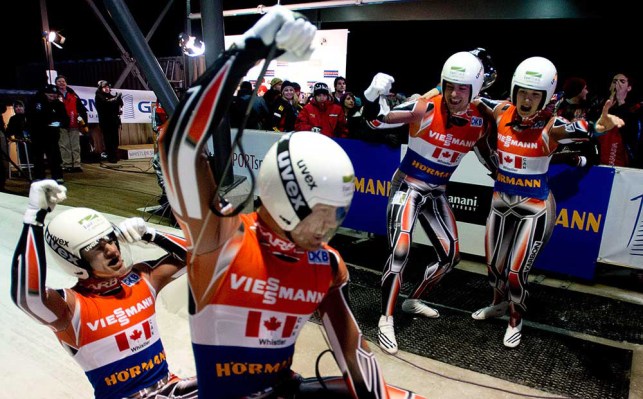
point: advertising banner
(374, 166)
(581, 213)
(622, 242)
(255, 145)
(137, 104)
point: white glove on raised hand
(134, 229)
(291, 32)
(380, 86)
(43, 197)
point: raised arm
(29, 266)
(354, 358)
(165, 269)
(607, 121)
(190, 185)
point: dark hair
(60, 77)
(343, 97)
(18, 103)
(337, 79)
(573, 86)
(245, 85)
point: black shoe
(68, 170)
(76, 169)
(112, 160)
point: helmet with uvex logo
(301, 170)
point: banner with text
(623, 239)
(137, 104)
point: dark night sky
(411, 51)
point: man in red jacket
(322, 114)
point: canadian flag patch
(135, 336)
(273, 323)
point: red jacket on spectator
(327, 118)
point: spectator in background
(273, 93)
(573, 105)
(17, 130)
(322, 114)
(297, 88)
(286, 109)
(620, 146)
(46, 114)
(340, 89)
(108, 107)
(69, 143)
(353, 114)
(17, 126)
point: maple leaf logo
(136, 334)
(273, 324)
(446, 154)
(508, 159)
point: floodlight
(55, 38)
(190, 46)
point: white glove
(380, 86)
(133, 230)
(79, 119)
(43, 197)
(291, 33)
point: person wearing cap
(322, 114)
(70, 137)
(46, 114)
(108, 107)
(286, 109)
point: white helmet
(535, 73)
(464, 68)
(75, 230)
(301, 170)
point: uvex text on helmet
(301, 170)
(464, 68)
(535, 73)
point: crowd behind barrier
(599, 209)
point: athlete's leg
(499, 231)
(533, 232)
(438, 222)
(404, 205)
